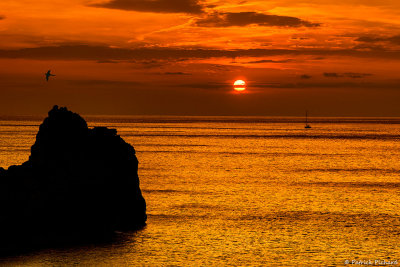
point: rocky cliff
(78, 184)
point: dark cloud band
(305, 76)
(157, 6)
(270, 61)
(371, 39)
(229, 19)
(104, 53)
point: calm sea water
(246, 191)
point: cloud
(368, 39)
(108, 61)
(156, 55)
(228, 19)
(305, 76)
(390, 85)
(300, 38)
(331, 75)
(271, 61)
(394, 39)
(369, 46)
(176, 73)
(371, 39)
(356, 75)
(157, 6)
(353, 75)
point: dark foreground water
(246, 191)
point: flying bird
(48, 74)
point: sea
(245, 191)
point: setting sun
(239, 85)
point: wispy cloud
(176, 73)
(353, 75)
(390, 85)
(305, 76)
(108, 61)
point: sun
(239, 85)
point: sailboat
(307, 126)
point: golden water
(246, 191)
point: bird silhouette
(48, 74)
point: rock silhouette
(78, 184)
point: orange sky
(169, 57)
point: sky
(170, 57)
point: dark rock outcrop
(78, 184)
